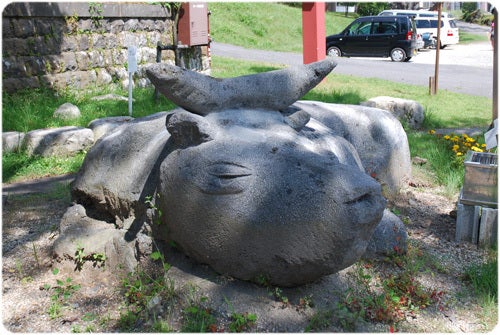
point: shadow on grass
(349, 97)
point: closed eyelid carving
(223, 178)
(228, 170)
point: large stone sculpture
(277, 190)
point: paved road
(462, 68)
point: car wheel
(334, 51)
(407, 59)
(398, 55)
(442, 46)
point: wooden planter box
(480, 180)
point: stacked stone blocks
(64, 45)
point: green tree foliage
(371, 8)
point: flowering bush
(460, 144)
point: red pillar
(313, 31)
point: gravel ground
(30, 223)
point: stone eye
(224, 178)
(228, 170)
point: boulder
(67, 111)
(407, 111)
(12, 141)
(64, 141)
(104, 126)
(389, 238)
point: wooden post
(434, 89)
(313, 31)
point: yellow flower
(474, 148)
(432, 131)
(459, 153)
(446, 137)
(455, 138)
(470, 140)
(455, 147)
(483, 145)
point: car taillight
(408, 35)
(450, 32)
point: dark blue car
(376, 36)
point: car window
(384, 28)
(360, 28)
(403, 26)
(453, 24)
(422, 24)
(425, 24)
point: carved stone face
(254, 193)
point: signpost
(132, 67)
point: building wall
(77, 45)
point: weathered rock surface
(77, 230)
(121, 169)
(64, 141)
(104, 126)
(378, 137)
(407, 111)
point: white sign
(132, 59)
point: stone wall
(79, 44)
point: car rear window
(426, 23)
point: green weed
(240, 321)
(139, 288)
(80, 258)
(62, 291)
(197, 319)
(387, 298)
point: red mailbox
(192, 28)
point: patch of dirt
(30, 226)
